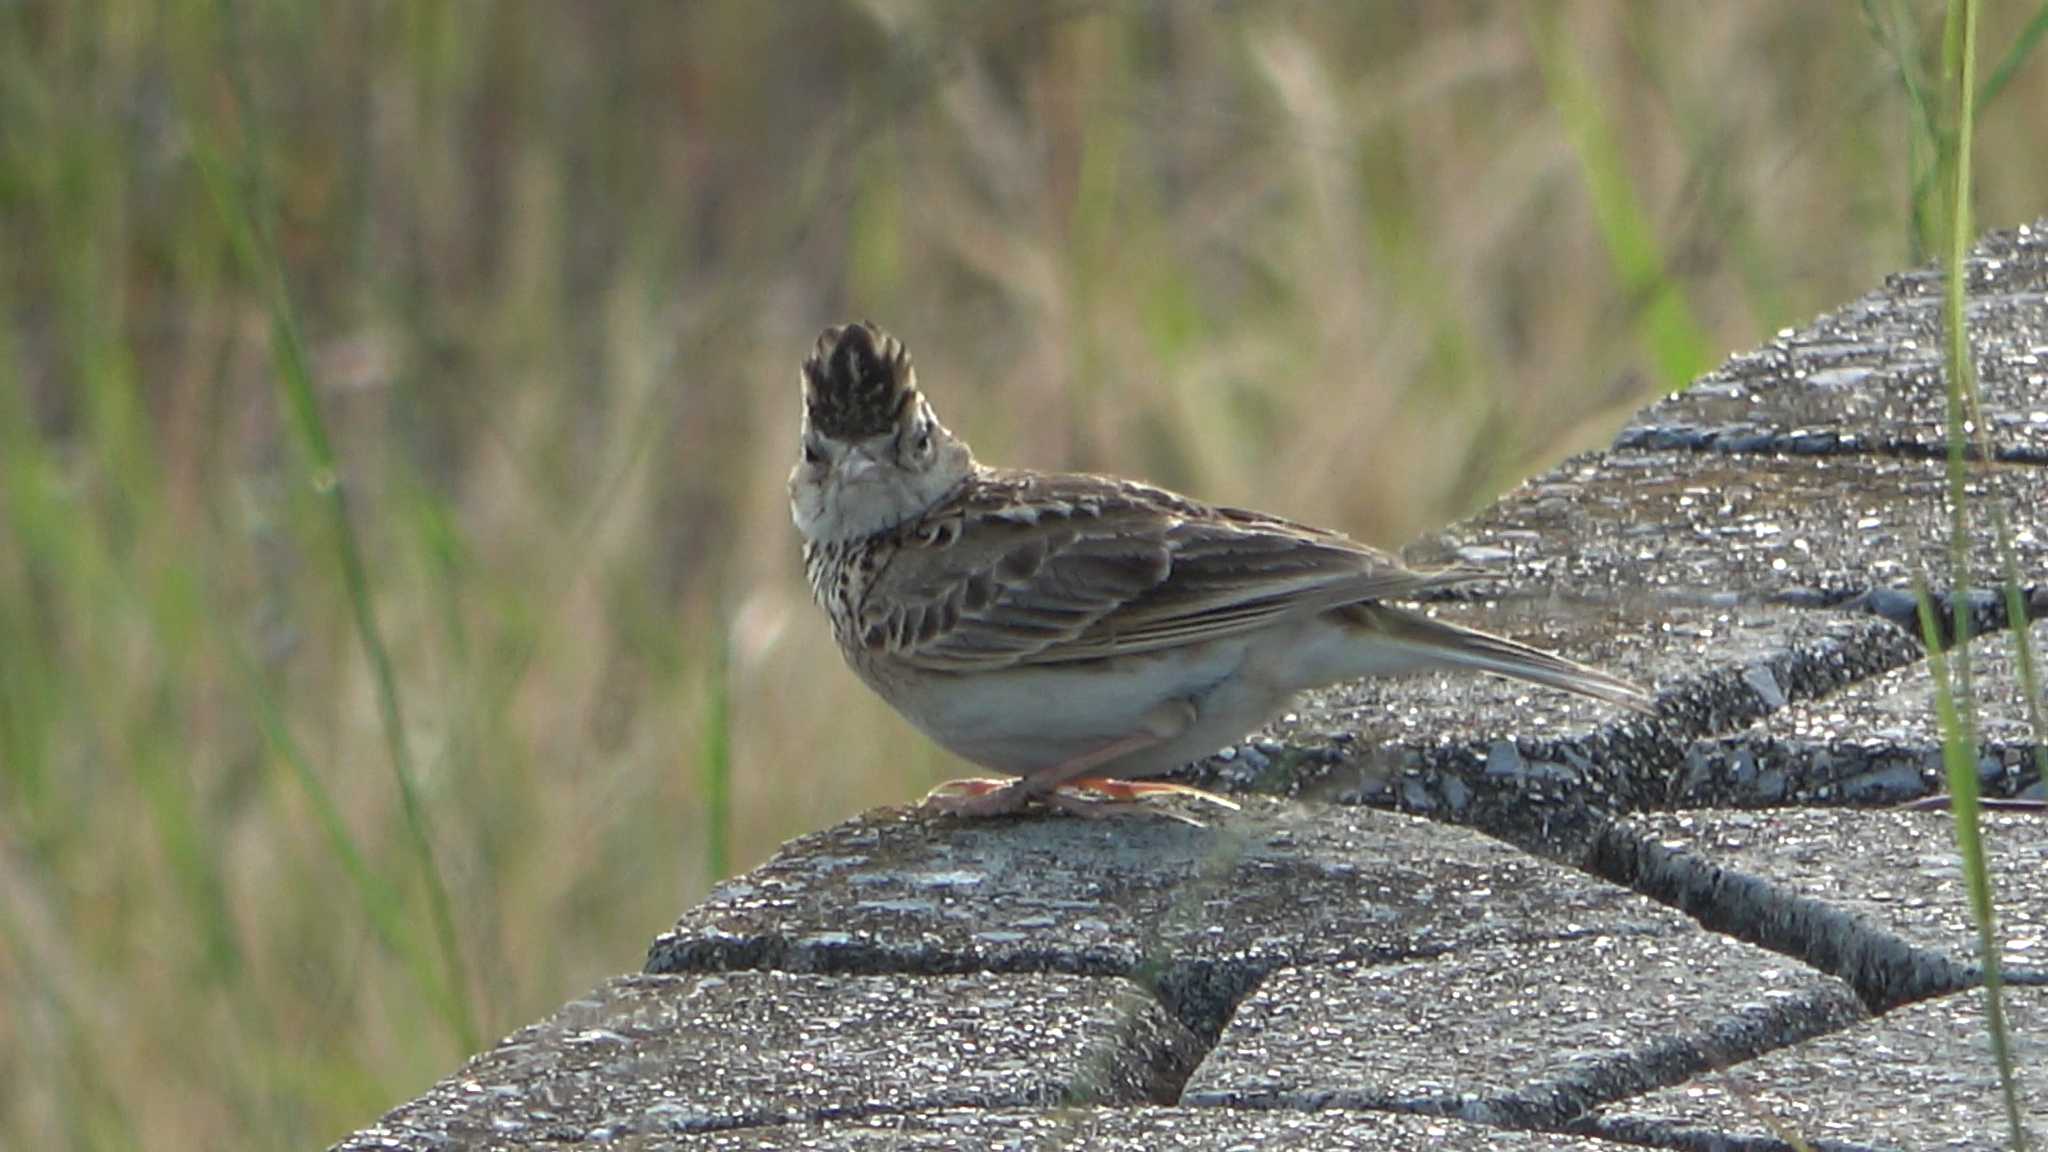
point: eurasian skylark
(1075, 631)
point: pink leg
(979, 799)
(1064, 785)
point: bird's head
(872, 452)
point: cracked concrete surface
(1699, 930)
(1130, 1130)
(1540, 767)
(1692, 526)
(1200, 914)
(1917, 1078)
(1876, 897)
(667, 1054)
(1866, 378)
(1524, 1035)
(1877, 742)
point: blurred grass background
(552, 266)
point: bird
(1079, 633)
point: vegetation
(1954, 703)
(399, 617)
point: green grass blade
(1672, 336)
(1924, 126)
(2022, 47)
(1959, 38)
(1892, 35)
(294, 380)
(2024, 658)
(1896, 35)
(1953, 699)
(381, 903)
(99, 1118)
(1959, 766)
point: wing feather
(1054, 569)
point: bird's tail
(1433, 642)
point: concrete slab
(1541, 767)
(668, 1054)
(1128, 1130)
(908, 980)
(1680, 526)
(1199, 914)
(1525, 1035)
(1875, 897)
(1920, 1077)
(1868, 377)
(1878, 742)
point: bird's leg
(1064, 785)
(1130, 790)
(1071, 781)
(961, 786)
(984, 797)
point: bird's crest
(857, 382)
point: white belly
(1026, 719)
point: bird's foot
(978, 796)
(1129, 790)
(1096, 797)
(1092, 798)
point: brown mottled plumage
(1067, 629)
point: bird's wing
(1028, 569)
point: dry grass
(554, 266)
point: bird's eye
(923, 446)
(812, 455)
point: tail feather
(1448, 645)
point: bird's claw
(1092, 798)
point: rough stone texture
(1920, 1077)
(912, 981)
(1128, 1130)
(1533, 765)
(1526, 1035)
(666, 1054)
(1878, 742)
(1867, 377)
(1876, 898)
(1662, 526)
(1199, 913)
